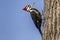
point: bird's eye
(29, 6)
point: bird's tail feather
(40, 32)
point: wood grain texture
(51, 30)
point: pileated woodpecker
(36, 16)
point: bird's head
(27, 8)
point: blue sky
(16, 24)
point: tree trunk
(51, 30)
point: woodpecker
(35, 15)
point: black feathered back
(37, 18)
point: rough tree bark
(51, 30)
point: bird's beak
(25, 8)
